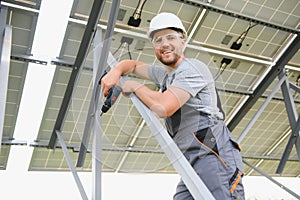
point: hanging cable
(129, 54)
(125, 41)
(236, 45)
(117, 49)
(135, 19)
(224, 63)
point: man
(188, 102)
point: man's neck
(174, 66)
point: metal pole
(4, 73)
(293, 117)
(94, 119)
(260, 110)
(271, 179)
(71, 165)
(97, 143)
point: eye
(158, 40)
(171, 37)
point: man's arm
(112, 78)
(164, 104)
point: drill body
(113, 94)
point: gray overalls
(200, 133)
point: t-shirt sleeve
(156, 74)
(192, 79)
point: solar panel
(128, 145)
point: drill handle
(113, 94)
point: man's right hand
(109, 80)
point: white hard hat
(165, 20)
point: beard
(170, 60)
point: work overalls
(211, 151)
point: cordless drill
(113, 94)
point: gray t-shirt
(194, 77)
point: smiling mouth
(166, 52)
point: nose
(165, 42)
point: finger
(104, 90)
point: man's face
(168, 45)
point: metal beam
(271, 179)
(29, 59)
(3, 16)
(71, 166)
(89, 122)
(96, 11)
(239, 15)
(75, 148)
(293, 120)
(289, 52)
(14, 142)
(295, 87)
(297, 138)
(260, 110)
(34, 12)
(25, 8)
(4, 74)
(219, 51)
(195, 25)
(4, 67)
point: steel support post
(93, 119)
(260, 110)
(4, 73)
(71, 165)
(297, 141)
(293, 119)
(3, 14)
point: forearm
(132, 67)
(163, 104)
(122, 68)
(152, 99)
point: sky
(17, 183)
